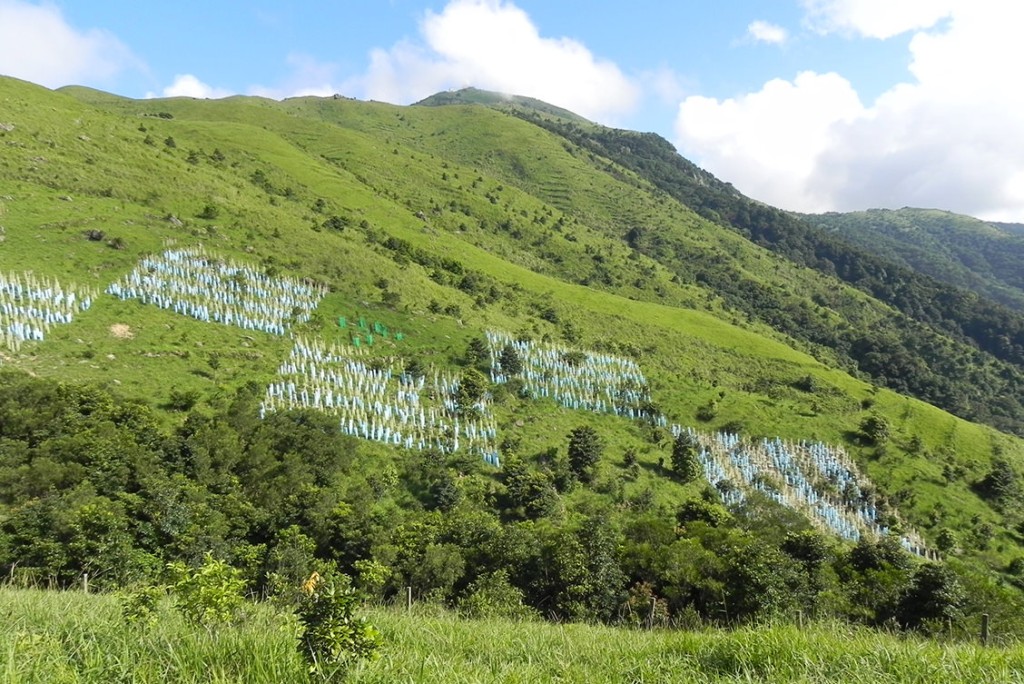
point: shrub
(210, 211)
(332, 636)
(139, 607)
(875, 430)
(182, 400)
(510, 362)
(493, 596)
(210, 594)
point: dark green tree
(1001, 483)
(472, 385)
(585, 449)
(685, 464)
(476, 350)
(510, 361)
(935, 596)
(875, 429)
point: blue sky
(810, 105)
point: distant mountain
(1015, 228)
(965, 252)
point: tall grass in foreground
(54, 637)
(442, 648)
(70, 637)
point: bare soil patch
(122, 331)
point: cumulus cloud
(875, 18)
(493, 44)
(766, 32)
(768, 142)
(187, 85)
(37, 44)
(950, 137)
(307, 76)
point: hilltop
(497, 351)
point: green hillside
(928, 349)
(957, 250)
(307, 332)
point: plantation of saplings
(294, 361)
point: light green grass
(70, 637)
(56, 637)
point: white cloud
(766, 32)
(666, 84)
(875, 18)
(493, 44)
(187, 85)
(768, 142)
(951, 137)
(308, 76)
(37, 44)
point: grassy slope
(68, 637)
(345, 152)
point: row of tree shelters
(816, 479)
(30, 306)
(210, 289)
(381, 402)
(581, 380)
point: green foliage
(585, 448)
(209, 211)
(477, 350)
(530, 492)
(208, 595)
(371, 576)
(935, 596)
(875, 430)
(472, 385)
(509, 361)
(140, 606)
(699, 510)
(492, 596)
(182, 400)
(333, 637)
(336, 223)
(1001, 484)
(685, 463)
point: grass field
(51, 637)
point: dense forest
(90, 483)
